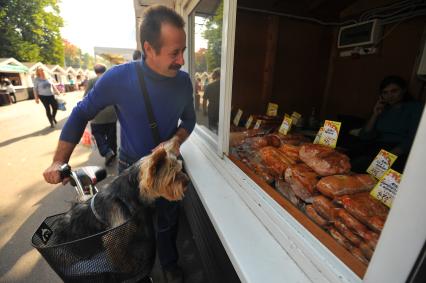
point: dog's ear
(158, 159)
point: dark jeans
(105, 136)
(166, 221)
(49, 101)
(13, 97)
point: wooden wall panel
(249, 61)
(355, 81)
(301, 66)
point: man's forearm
(63, 152)
(181, 135)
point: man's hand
(379, 107)
(52, 175)
(172, 145)
(37, 100)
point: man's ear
(149, 50)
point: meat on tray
(312, 214)
(370, 237)
(259, 142)
(345, 231)
(324, 160)
(285, 189)
(340, 238)
(302, 180)
(356, 252)
(291, 151)
(325, 207)
(339, 185)
(366, 209)
(366, 250)
(293, 139)
(275, 160)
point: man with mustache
(170, 91)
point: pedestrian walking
(104, 125)
(44, 90)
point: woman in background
(392, 125)
(43, 91)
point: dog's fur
(128, 196)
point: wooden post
(270, 56)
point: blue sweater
(171, 100)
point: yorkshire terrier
(129, 196)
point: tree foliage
(30, 31)
(75, 58)
(213, 34)
(200, 60)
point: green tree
(200, 60)
(213, 34)
(30, 30)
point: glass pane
(207, 36)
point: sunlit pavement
(27, 144)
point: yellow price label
(330, 133)
(249, 121)
(257, 125)
(318, 136)
(381, 163)
(272, 109)
(295, 117)
(285, 125)
(387, 188)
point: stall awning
(13, 69)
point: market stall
(275, 173)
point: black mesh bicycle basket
(125, 253)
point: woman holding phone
(392, 125)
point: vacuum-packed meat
(324, 160)
(302, 180)
(345, 231)
(366, 209)
(339, 185)
(340, 238)
(370, 237)
(366, 250)
(285, 189)
(275, 160)
(291, 151)
(312, 214)
(356, 252)
(325, 207)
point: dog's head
(160, 175)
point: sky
(101, 23)
(106, 23)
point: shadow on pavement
(41, 132)
(21, 255)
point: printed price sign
(295, 117)
(381, 164)
(238, 117)
(387, 188)
(249, 121)
(330, 133)
(286, 125)
(257, 125)
(272, 109)
(318, 136)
